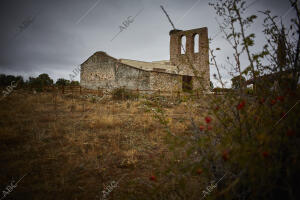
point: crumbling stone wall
(201, 84)
(165, 81)
(98, 72)
(103, 71)
(200, 59)
(132, 78)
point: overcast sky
(55, 36)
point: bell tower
(195, 49)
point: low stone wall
(106, 72)
(131, 78)
(165, 81)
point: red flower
(225, 155)
(208, 119)
(201, 128)
(217, 107)
(152, 178)
(199, 171)
(241, 105)
(265, 154)
(280, 98)
(209, 128)
(273, 101)
(290, 133)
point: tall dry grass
(71, 148)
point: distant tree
(62, 82)
(20, 81)
(31, 80)
(45, 80)
(2, 79)
(6, 80)
(34, 82)
(40, 82)
(74, 83)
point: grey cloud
(63, 34)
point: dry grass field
(69, 147)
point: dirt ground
(69, 147)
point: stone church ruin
(106, 72)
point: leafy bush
(250, 140)
(74, 83)
(43, 80)
(7, 80)
(62, 82)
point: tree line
(39, 82)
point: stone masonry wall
(98, 72)
(132, 78)
(165, 82)
(199, 83)
(102, 71)
(200, 60)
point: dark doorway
(187, 85)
